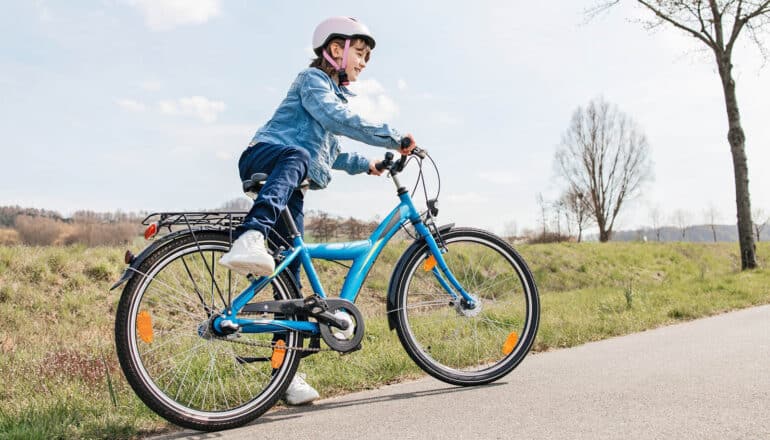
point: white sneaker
(299, 392)
(249, 256)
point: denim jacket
(312, 114)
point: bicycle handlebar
(417, 151)
(385, 163)
(396, 167)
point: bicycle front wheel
(465, 346)
(172, 358)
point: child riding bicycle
(300, 142)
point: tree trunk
(737, 140)
(604, 236)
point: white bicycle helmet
(340, 27)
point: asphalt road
(705, 379)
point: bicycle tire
(454, 345)
(237, 382)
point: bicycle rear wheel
(455, 344)
(171, 357)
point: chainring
(352, 343)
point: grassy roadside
(61, 377)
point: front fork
(442, 272)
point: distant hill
(695, 233)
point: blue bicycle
(209, 350)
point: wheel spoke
(196, 379)
(460, 345)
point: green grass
(61, 377)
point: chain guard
(327, 331)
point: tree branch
(703, 24)
(681, 26)
(762, 9)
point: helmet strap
(341, 74)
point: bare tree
(657, 221)
(510, 229)
(543, 212)
(682, 220)
(718, 24)
(760, 221)
(605, 157)
(558, 208)
(711, 215)
(354, 228)
(576, 211)
(323, 226)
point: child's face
(358, 55)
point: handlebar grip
(385, 163)
(417, 151)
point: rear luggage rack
(217, 220)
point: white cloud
(401, 84)
(371, 101)
(130, 105)
(162, 15)
(197, 106)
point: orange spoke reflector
(510, 342)
(279, 352)
(429, 264)
(144, 326)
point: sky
(146, 105)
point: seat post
(289, 221)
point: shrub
(9, 237)
(99, 272)
(38, 231)
(549, 237)
(101, 234)
(5, 294)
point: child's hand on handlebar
(373, 168)
(407, 148)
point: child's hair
(321, 63)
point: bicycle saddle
(252, 185)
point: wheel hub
(464, 308)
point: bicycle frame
(363, 253)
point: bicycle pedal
(315, 305)
(278, 254)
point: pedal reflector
(279, 352)
(429, 264)
(144, 326)
(510, 342)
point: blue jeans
(286, 167)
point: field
(62, 380)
